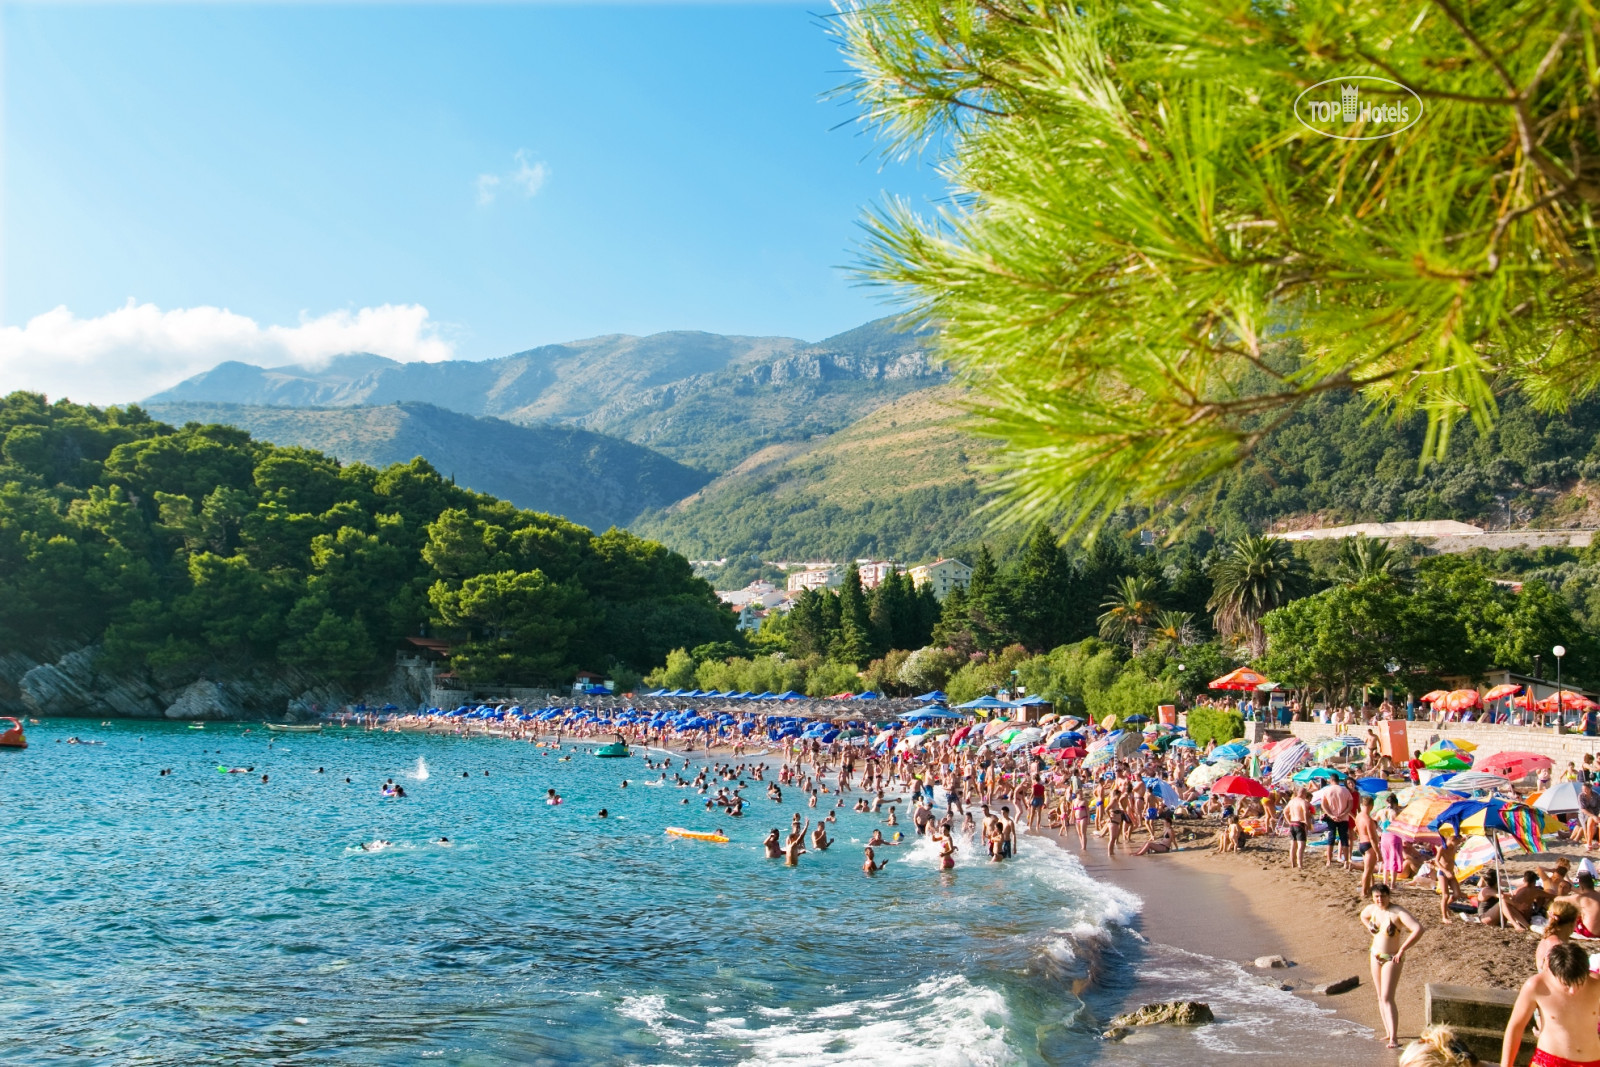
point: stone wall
(1562, 748)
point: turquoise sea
(205, 917)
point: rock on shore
(1180, 1012)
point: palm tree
(1174, 628)
(1130, 609)
(1258, 575)
(1363, 557)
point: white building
(943, 575)
(873, 572)
(826, 577)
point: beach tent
(987, 703)
(935, 697)
(1033, 701)
(922, 714)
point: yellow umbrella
(1463, 746)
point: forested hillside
(590, 478)
(203, 551)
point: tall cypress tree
(1040, 587)
(988, 602)
(954, 628)
(854, 643)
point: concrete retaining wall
(1562, 748)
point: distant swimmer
(551, 797)
(774, 850)
(624, 783)
(602, 813)
(319, 770)
(464, 774)
(445, 841)
(872, 866)
(263, 779)
(376, 846)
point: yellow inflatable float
(696, 835)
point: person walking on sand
(1297, 813)
(1366, 828)
(1568, 1002)
(1337, 807)
(1385, 920)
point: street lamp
(1558, 651)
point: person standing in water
(793, 847)
(872, 866)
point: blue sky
(274, 182)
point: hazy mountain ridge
(704, 399)
(590, 478)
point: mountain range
(703, 399)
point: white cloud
(528, 178)
(139, 349)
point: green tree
(1257, 575)
(1039, 591)
(1151, 259)
(1362, 557)
(1129, 611)
(855, 641)
(517, 625)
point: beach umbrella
(1461, 699)
(1412, 822)
(987, 703)
(1413, 793)
(1184, 742)
(1128, 744)
(1164, 790)
(1500, 692)
(1137, 719)
(1232, 750)
(1286, 759)
(1514, 765)
(1202, 776)
(1070, 752)
(1485, 817)
(1569, 701)
(1315, 774)
(1444, 760)
(1238, 785)
(1242, 678)
(1329, 748)
(1047, 718)
(1470, 781)
(1430, 697)
(1372, 786)
(1561, 797)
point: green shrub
(1219, 723)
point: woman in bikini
(1080, 819)
(1393, 930)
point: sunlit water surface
(208, 917)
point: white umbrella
(1561, 797)
(1287, 760)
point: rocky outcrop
(76, 685)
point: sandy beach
(1243, 906)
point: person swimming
(602, 813)
(872, 866)
(551, 797)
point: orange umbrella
(1523, 702)
(1569, 701)
(1429, 698)
(1461, 700)
(1242, 678)
(1502, 691)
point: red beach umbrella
(1242, 678)
(1071, 752)
(1238, 785)
(1461, 700)
(1515, 765)
(1500, 691)
(1429, 698)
